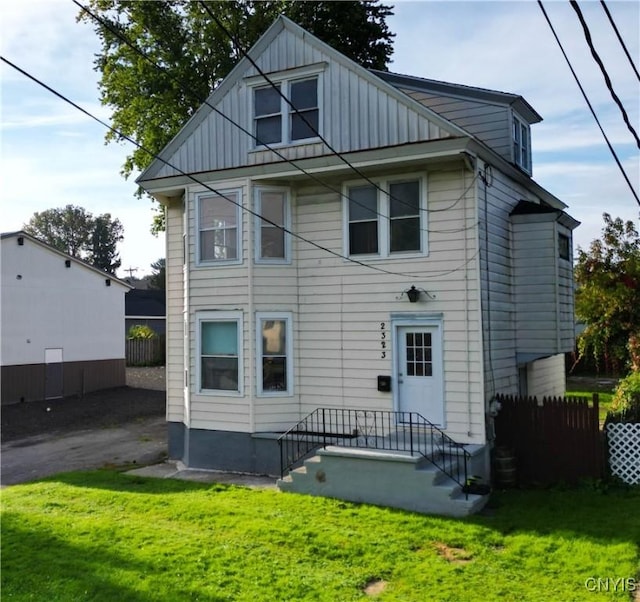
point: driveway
(123, 426)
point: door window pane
(419, 354)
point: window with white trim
(273, 244)
(386, 221)
(276, 121)
(275, 357)
(219, 227)
(521, 144)
(220, 352)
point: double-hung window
(219, 227)
(273, 244)
(220, 352)
(521, 144)
(277, 121)
(274, 347)
(386, 220)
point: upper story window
(564, 247)
(219, 227)
(387, 220)
(521, 144)
(273, 244)
(278, 122)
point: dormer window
(276, 121)
(521, 144)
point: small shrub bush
(625, 405)
(141, 331)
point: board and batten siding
(381, 118)
(488, 122)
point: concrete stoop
(384, 478)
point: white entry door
(419, 371)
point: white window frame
(384, 225)
(220, 316)
(288, 319)
(257, 192)
(285, 80)
(521, 145)
(239, 227)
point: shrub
(141, 331)
(625, 405)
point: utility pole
(131, 271)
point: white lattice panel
(624, 451)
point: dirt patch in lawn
(453, 554)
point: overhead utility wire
(197, 181)
(205, 101)
(624, 46)
(607, 79)
(335, 153)
(584, 94)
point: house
(145, 307)
(407, 262)
(61, 323)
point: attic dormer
(521, 142)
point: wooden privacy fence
(554, 440)
(145, 352)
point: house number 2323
(383, 340)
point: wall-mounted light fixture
(20, 241)
(67, 263)
(107, 281)
(413, 294)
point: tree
(151, 105)
(608, 295)
(157, 279)
(107, 233)
(73, 230)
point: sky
(52, 155)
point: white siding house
(61, 323)
(411, 183)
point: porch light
(413, 293)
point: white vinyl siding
(219, 227)
(274, 347)
(273, 244)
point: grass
(106, 536)
(604, 401)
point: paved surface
(141, 442)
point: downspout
(251, 319)
(466, 302)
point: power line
(274, 150)
(586, 98)
(598, 60)
(217, 192)
(624, 46)
(333, 151)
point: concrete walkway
(176, 470)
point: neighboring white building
(61, 323)
(264, 327)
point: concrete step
(382, 477)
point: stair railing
(374, 429)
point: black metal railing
(374, 429)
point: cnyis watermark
(612, 584)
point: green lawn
(604, 401)
(108, 536)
